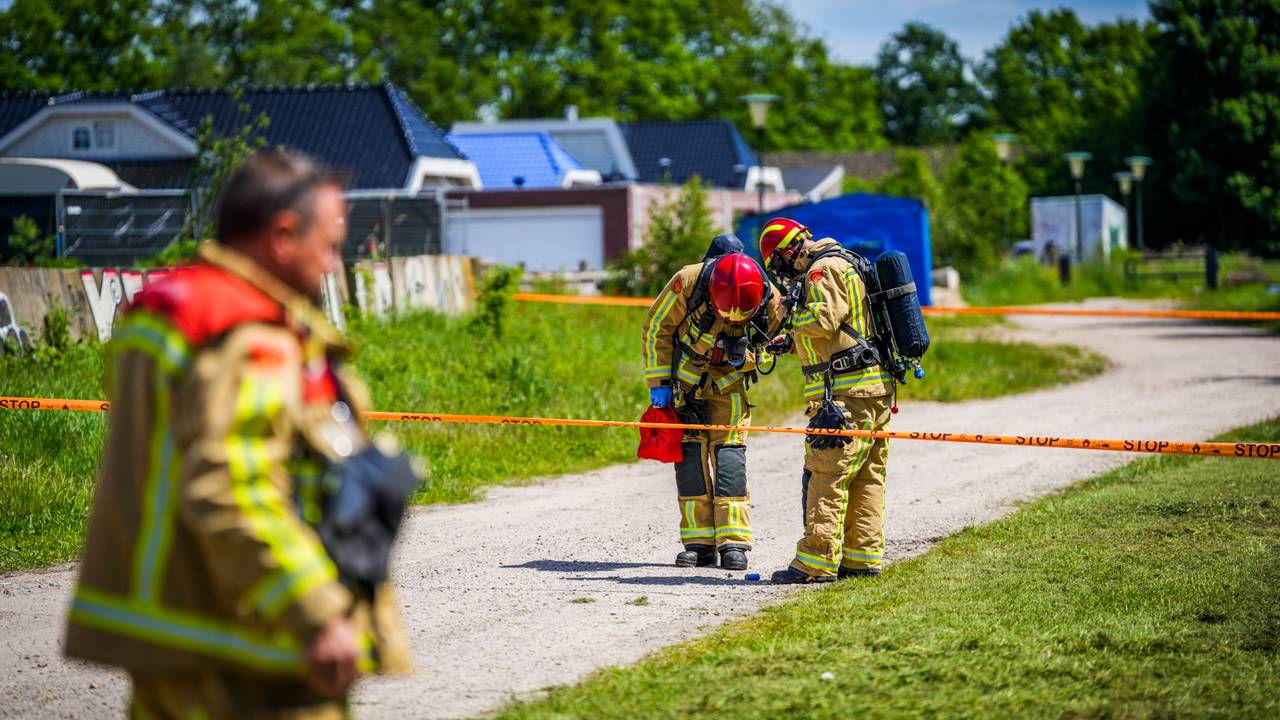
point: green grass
(48, 460)
(1149, 592)
(554, 361)
(1026, 282)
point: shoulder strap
(859, 264)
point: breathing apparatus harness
(703, 317)
(897, 334)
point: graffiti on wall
(115, 288)
(10, 332)
(373, 293)
(94, 298)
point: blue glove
(660, 396)
(741, 361)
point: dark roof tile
(710, 148)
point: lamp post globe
(1075, 163)
(758, 106)
(1138, 165)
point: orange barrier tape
(1158, 447)
(935, 310)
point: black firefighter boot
(733, 559)
(696, 556)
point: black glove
(694, 411)
(829, 416)
(362, 518)
(783, 347)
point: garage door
(542, 239)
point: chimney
(571, 113)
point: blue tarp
(866, 224)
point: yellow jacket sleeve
(665, 316)
(267, 565)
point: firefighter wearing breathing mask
(843, 481)
(700, 358)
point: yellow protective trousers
(213, 696)
(711, 480)
(844, 495)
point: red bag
(661, 444)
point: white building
(1104, 226)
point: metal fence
(113, 228)
(104, 229)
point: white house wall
(52, 139)
(1053, 222)
(552, 239)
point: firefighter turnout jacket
(228, 400)
(835, 307)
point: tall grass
(1025, 282)
(48, 460)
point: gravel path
(536, 586)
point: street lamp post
(1075, 162)
(1125, 181)
(1138, 165)
(758, 106)
(1004, 152)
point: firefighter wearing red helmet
(698, 357)
(843, 481)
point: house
(523, 160)
(149, 139)
(815, 183)
(596, 143)
(1104, 226)
(146, 144)
(551, 228)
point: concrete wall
(93, 298)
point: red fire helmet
(778, 234)
(736, 287)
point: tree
(923, 87)
(680, 229)
(1214, 117)
(77, 45)
(28, 243)
(980, 194)
(1063, 86)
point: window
(104, 135)
(80, 138)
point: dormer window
(104, 135)
(80, 138)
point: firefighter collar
(300, 312)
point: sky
(854, 29)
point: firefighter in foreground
(699, 357)
(235, 561)
(843, 481)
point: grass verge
(1026, 282)
(553, 361)
(1150, 591)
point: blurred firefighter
(700, 357)
(205, 575)
(845, 386)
